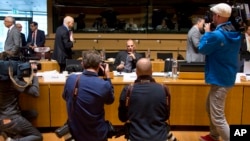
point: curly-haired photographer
(12, 124)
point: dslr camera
(102, 72)
(64, 132)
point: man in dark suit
(63, 42)
(13, 39)
(19, 27)
(36, 37)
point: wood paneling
(41, 104)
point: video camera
(237, 18)
(19, 67)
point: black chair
(73, 65)
(164, 56)
(191, 66)
(110, 54)
(143, 55)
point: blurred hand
(121, 66)
(207, 27)
(132, 55)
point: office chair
(164, 56)
(73, 65)
(110, 54)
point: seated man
(148, 108)
(125, 61)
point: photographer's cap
(222, 9)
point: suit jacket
(40, 38)
(13, 41)
(62, 45)
(122, 56)
(244, 54)
(23, 39)
(193, 40)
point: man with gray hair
(64, 42)
(13, 39)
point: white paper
(246, 67)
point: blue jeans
(20, 129)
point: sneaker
(207, 138)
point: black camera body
(102, 72)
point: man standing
(221, 48)
(86, 107)
(36, 37)
(125, 61)
(147, 109)
(64, 42)
(13, 38)
(193, 39)
(19, 27)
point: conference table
(188, 99)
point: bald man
(147, 110)
(64, 42)
(13, 39)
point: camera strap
(75, 91)
(14, 81)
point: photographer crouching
(85, 95)
(13, 126)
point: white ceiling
(24, 5)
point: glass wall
(141, 16)
(24, 18)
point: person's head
(130, 46)
(143, 67)
(247, 30)
(199, 22)
(91, 59)
(19, 27)
(9, 21)
(33, 26)
(68, 21)
(221, 13)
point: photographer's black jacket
(147, 112)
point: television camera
(238, 16)
(16, 67)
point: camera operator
(12, 124)
(86, 107)
(221, 47)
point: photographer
(85, 96)
(12, 125)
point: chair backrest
(73, 65)
(191, 67)
(110, 54)
(164, 56)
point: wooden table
(49, 65)
(188, 102)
